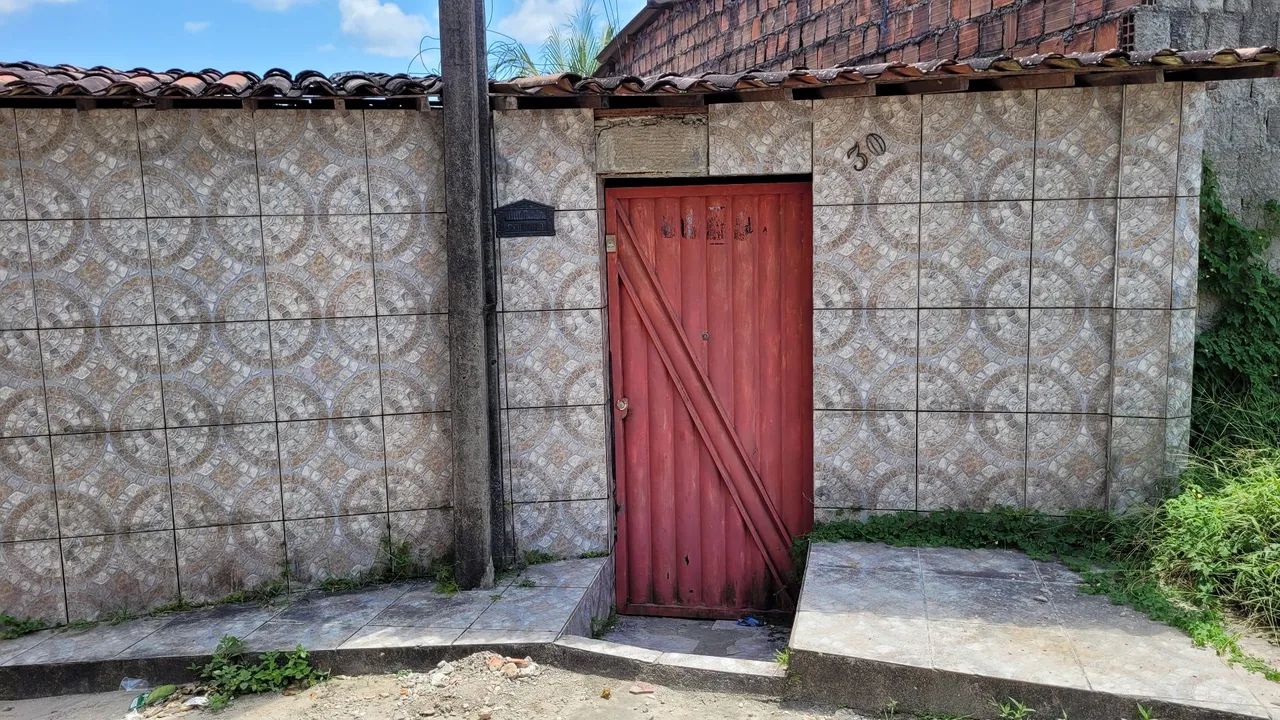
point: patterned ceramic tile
(12, 204)
(419, 461)
(406, 160)
(332, 467)
(428, 532)
(198, 162)
(558, 454)
(547, 156)
(563, 273)
(1077, 142)
(133, 572)
(971, 460)
(892, 176)
(1186, 252)
(27, 506)
(978, 146)
(208, 269)
(415, 363)
(1149, 140)
(864, 359)
(224, 474)
(22, 393)
(1073, 246)
(91, 272)
(1070, 369)
(765, 138)
(214, 562)
(1136, 462)
(554, 358)
(216, 373)
(1066, 462)
(975, 254)
(1177, 441)
(31, 580)
(866, 256)
(1195, 104)
(112, 482)
(864, 460)
(311, 162)
(564, 529)
(1144, 253)
(325, 368)
(973, 360)
(410, 266)
(1141, 363)
(17, 301)
(1182, 347)
(318, 266)
(103, 379)
(335, 547)
(80, 164)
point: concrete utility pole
(468, 202)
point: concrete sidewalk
(535, 607)
(947, 629)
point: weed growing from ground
(12, 627)
(783, 657)
(231, 673)
(601, 626)
(1011, 709)
(539, 557)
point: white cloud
(195, 26)
(8, 7)
(382, 28)
(533, 20)
(273, 5)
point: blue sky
(325, 35)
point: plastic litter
(751, 621)
(140, 701)
(133, 684)
(197, 701)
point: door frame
(612, 286)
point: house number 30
(873, 143)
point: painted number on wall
(873, 143)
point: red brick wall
(694, 36)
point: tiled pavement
(998, 614)
(534, 607)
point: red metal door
(711, 345)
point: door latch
(611, 243)
(622, 406)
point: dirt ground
(468, 688)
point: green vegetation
(782, 657)
(441, 572)
(572, 47)
(600, 626)
(12, 627)
(539, 557)
(231, 672)
(1010, 709)
(1237, 365)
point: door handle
(622, 406)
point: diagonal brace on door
(709, 417)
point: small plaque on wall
(526, 218)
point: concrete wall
(1003, 303)
(553, 389)
(1243, 138)
(222, 350)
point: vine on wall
(1237, 364)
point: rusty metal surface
(710, 329)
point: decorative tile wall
(553, 391)
(223, 347)
(1004, 297)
